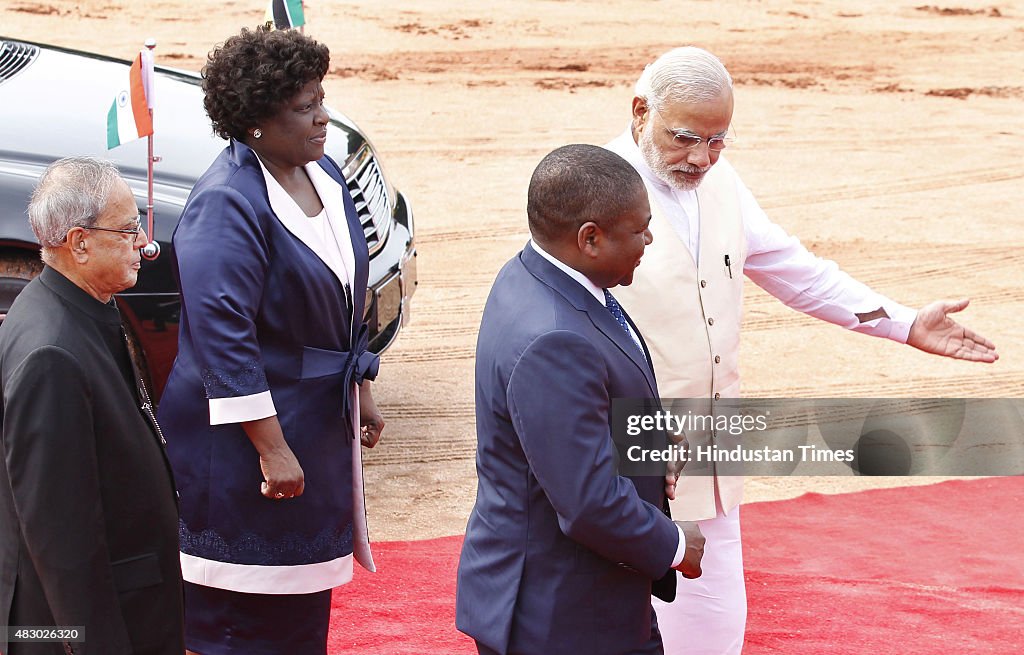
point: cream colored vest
(690, 317)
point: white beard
(667, 174)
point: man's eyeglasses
(687, 140)
(134, 231)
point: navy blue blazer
(261, 311)
(560, 551)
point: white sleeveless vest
(690, 317)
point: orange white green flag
(129, 116)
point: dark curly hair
(250, 76)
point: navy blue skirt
(221, 622)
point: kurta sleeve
(50, 450)
(778, 263)
(222, 263)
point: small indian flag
(129, 117)
(283, 14)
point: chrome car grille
(14, 57)
(370, 193)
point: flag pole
(152, 249)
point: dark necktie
(616, 311)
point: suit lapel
(291, 217)
(243, 156)
(603, 321)
(598, 314)
(334, 205)
(643, 344)
(355, 232)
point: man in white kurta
(686, 299)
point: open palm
(935, 332)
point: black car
(53, 104)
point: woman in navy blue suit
(265, 403)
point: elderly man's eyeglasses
(133, 231)
(686, 140)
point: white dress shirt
(776, 261)
(584, 282)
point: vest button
(703, 283)
(718, 396)
(711, 321)
(718, 359)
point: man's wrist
(680, 548)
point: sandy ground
(887, 135)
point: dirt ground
(887, 135)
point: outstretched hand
(935, 332)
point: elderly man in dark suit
(561, 550)
(88, 515)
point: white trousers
(709, 614)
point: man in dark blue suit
(561, 550)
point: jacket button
(711, 321)
(703, 283)
(718, 396)
(718, 359)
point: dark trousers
(653, 647)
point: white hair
(72, 192)
(688, 74)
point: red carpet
(930, 570)
(406, 608)
(915, 571)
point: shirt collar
(582, 279)
(80, 298)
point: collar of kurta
(79, 298)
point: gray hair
(72, 192)
(688, 74)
